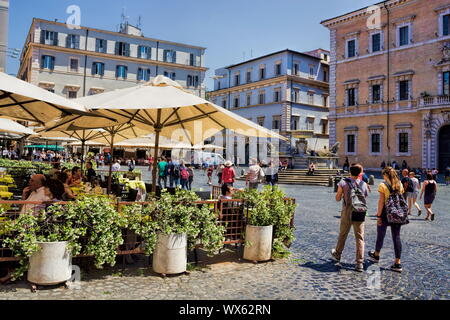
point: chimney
(4, 7)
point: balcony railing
(434, 101)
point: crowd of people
(397, 197)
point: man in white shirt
(34, 192)
(255, 175)
(116, 166)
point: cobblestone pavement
(307, 274)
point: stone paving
(307, 274)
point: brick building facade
(390, 83)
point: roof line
(124, 34)
(354, 11)
(271, 54)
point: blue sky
(229, 29)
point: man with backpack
(353, 192)
(407, 183)
(174, 173)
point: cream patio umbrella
(20, 100)
(164, 108)
(10, 126)
(149, 142)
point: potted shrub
(45, 245)
(268, 231)
(172, 224)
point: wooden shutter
(116, 50)
(42, 36)
(127, 49)
(55, 40)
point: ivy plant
(270, 207)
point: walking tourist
(430, 189)
(184, 176)
(191, 176)
(353, 192)
(173, 169)
(209, 173)
(254, 176)
(414, 194)
(219, 173)
(228, 173)
(346, 166)
(407, 184)
(390, 199)
(34, 192)
(162, 172)
(116, 166)
(311, 169)
(435, 173)
(271, 173)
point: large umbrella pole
(111, 163)
(155, 161)
(83, 143)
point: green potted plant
(268, 230)
(172, 224)
(45, 244)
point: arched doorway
(444, 147)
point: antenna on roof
(124, 20)
(139, 23)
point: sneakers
(335, 256)
(420, 212)
(432, 217)
(373, 257)
(396, 267)
(359, 267)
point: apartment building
(85, 61)
(390, 83)
(285, 91)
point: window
(224, 103)
(403, 90)
(375, 143)
(277, 95)
(311, 71)
(98, 68)
(446, 25)
(249, 76)
(236, 102)
(325, 57)
(325, 75)
(191, 60)
(351, 48)
(72, 41)
(262, 98)
(351, 97)
(376, 42)
(101, 45)
(295, 120)
(144, 52)
(310, 98)
(295, 95)
(48, 62)
(278, 69)
(351, 143)
(324, 126)
(72, 94)
(310, 124)
(296, 69)
(122, 72)
(376, 93)
(143, 74)
(196, 82)
(170, 56)
(190, 81)
(403, 34)
(249, 99)
(261, 121)
(49, 38)
(74, 65)
(446, 83)
(237, 79)
(325, 101)
(262, 73)
(171, 75)
(122, 49)
(403, 146)
(276, 121)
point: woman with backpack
(390, 203)
(184, 177)
(429, 188)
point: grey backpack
(357, 201)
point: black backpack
(176, 171)
(409, 185)
(396, 207)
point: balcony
(434, 101)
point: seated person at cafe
(54, 189)
(75, 178)
(56, 168)
(34, 192)
(90, 172)
(68, 194)
(311, 169)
